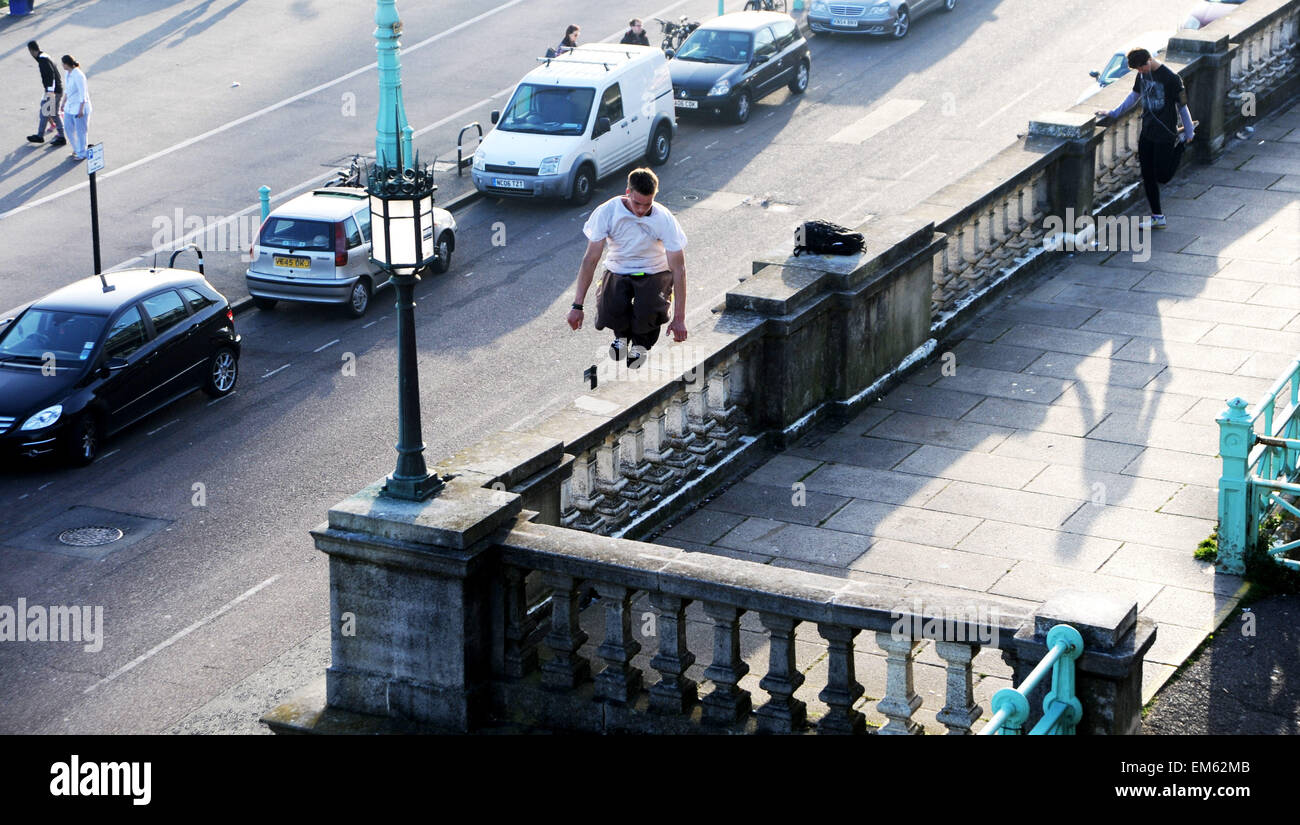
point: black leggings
(1158, 162)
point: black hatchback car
(81, 364)
(733, 60)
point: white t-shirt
(635, 244)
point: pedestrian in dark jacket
(1160, 143)
(51, 96)
(635, 34)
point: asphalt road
(224, 608)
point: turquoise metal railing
(1260, 452)
(1061, 708)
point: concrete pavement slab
(1169, 465)
(1169, 566)
(1112, 371)
(780, 502)
(941, 462)
(1026, 415)
(877, 485)
(910, 524)
(1055, 448)
(1103, 488)
(863, 451)
(942, 432)
(1038, 544)
(927, 400)
(984, 501)
(1127, 524)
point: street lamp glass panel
(402, 240)
(378, 231)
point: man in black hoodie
(51, 96)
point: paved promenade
(1066, 440)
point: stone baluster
(960, 710)
(669, 466)
(726, 703)
(520, 658)
(568, 513)
(1038, 204)
(782, 713)
(619, 682)
(700, 424)
(725, 415)
(901, 700)
(584, 496)
(842, 687)
(988, 262)
(610, 483)
(1131, 167)
(1003, 233)
(644, 479)
(681, 438)
(673, 693)
(565, 670)
(1015, 227)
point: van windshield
(548, 110)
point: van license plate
(292, 263)
(506, 183)
(686, 104)
(845, 22)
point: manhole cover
(90, 536)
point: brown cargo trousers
(634, 306)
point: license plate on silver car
(845, 22)
(506, 183)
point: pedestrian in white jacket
(76, 106)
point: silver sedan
(887, 17)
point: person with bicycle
(570, 41)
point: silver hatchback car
(316, 249)
(888, 17)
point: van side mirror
(496, 115)
(602, 126)
(1094, 74)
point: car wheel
(902, 24)
(359, 298)
(949, 5)
(443, 262)
(83, 438)
(740, 112)
(583, 185)
(661, 146)
(223, 372)
(264, 303)
(800, 83)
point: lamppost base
(412, 489)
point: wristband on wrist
(578, 307)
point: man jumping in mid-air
(645, 269)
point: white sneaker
(616, 350)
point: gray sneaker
(616, 350)
(636, 357)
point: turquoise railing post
(1063, 683)
(1236, 511)
(264, 195)
(1013, 708)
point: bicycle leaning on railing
(765, 5)
(676, 33)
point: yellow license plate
(292, 263)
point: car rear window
(196, 300)
(294, 233)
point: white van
(576, 119)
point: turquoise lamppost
(401, 226)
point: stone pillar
(409, 597)
(1207, 89)
(1108, 674)
(1071, 190)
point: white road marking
(877, 120)
(711, 145)
(683, 160)
(106, 455)
(222, 398)
(263, 111)
(176, 638)
(43, 486)
(815, 88)
(274, 371)
(325, 346)
(909, 172)
(369, 325)
(23, 496)
(163, 427)
(467, 274)
(990, 118)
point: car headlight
(722, 87)
(550, 166)
(479, 161)
(819, 7)
(44, 418)
(879, 9)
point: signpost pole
(95, 162)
